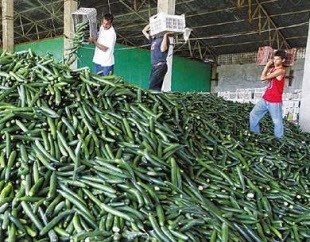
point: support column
(8, 25)
(167, 6)
(70, 6)
(304, 115)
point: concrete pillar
(304, 115)
(167, 6)
(70, 6)
(8, 25)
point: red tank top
(275, 89)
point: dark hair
(281, 53)
(108, 17)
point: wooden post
(70, 6)
(167, 6)
(304, 115)
(8, 25)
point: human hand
(269, 63)
(91, 40)
(147, 28)
(169, 33)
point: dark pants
(157, 76)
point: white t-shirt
(106, 37)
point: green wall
(190, 75)
(54, 46)
(133, 65)
(130, 63)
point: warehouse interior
(91, 158)
(216, 26)
(225, 35)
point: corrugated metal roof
(219, 26)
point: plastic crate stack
(291, 105)
(291, 100)
(244, 95)
(266, 53)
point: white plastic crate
(86, 15)
(163, 22)
(244, 93)
(224, 95)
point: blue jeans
(103, 70)
(259, 111)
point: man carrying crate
(159, 53)
(274, 74)
(104, 51)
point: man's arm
(100, 46)
(279, 73)
(165, 43)
(146, 30)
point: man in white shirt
(104, 51)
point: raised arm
(146, 31)
(165, 43)
(279, 73)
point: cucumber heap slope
(84, 157)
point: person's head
(279, 57)
(107, 21)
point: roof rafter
(248, 32)
(259, 11)
(243, 20)
(52, 11)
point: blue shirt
(156, 54)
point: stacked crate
(258, 93)
(266, 53)
(291, 101)
(244, 95)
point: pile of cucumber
(90, 158)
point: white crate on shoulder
(163, 22)
(83, 15)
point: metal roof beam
(224, 9)
(40, 6)
(259, 11)
(52, 11)
(197, 49)
(243, 20)
(248, 32)
(133, 11)
(16, 33)
(125, 40)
